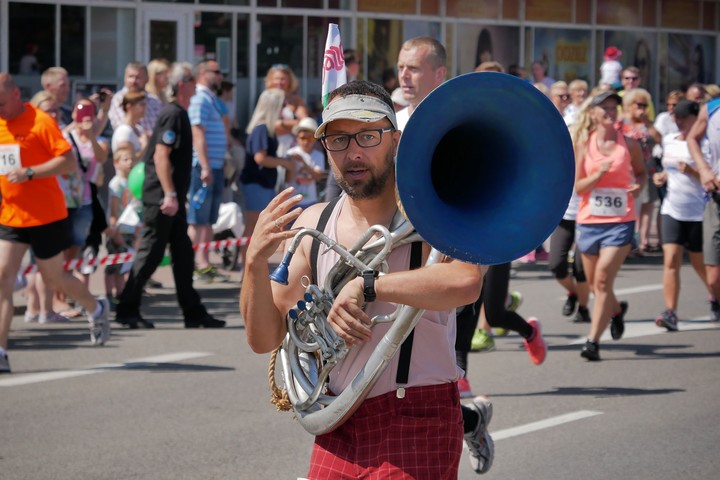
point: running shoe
(479, 442)
(513, 301)
(100, 325)
(617, 322)
(541, 255)
(210, 274)
(527, 258)
(591, 351)
(31, 317)
(569, 306)
(482, 342)
(500, 332)
(667, 319)
(714, 310)
(4, 363)
(464, 388)
(536, 345)
(582, 315)
(53, 318)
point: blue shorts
(207, 214)
(257, 197)
(593, 237)
(79, 221)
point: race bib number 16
(9, 158)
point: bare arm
(638, 167)
(694, 137)
(163, 167)
(60, 165)
(441, 286)
(264, 304)
(200, 146)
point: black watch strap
(30, 173)
(369, 277)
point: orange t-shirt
(39, 201)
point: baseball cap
(361, 108)
(602, 96)
(307, 123)
(612, 53)
(686, 108)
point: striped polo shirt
(207, 110)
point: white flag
(333, 74)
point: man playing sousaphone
(416, 430)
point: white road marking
(635, 329)
(543, 424)
(630, 291)
(17, 380)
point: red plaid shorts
(416, 437)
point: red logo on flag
(334, 59)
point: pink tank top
(609, 200)
(433, 354)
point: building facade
(673, 42)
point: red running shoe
(536, 345)
(464, 388)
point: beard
(360, 190)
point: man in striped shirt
(209, 146)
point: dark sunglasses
(281, 66)
(641, 105)
(630, 78)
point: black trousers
(158, 231)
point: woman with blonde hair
(636, 124)
(609, 174)
(294, 109)
(260, 173)
(157, 85)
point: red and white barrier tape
(118, 258)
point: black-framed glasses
(630, 78)
(641, 105)
(338, 142)
(564, 96)
(216, 72)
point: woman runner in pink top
(609, 175)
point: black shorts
(46, 241)
(687, 234)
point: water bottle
(197, 200)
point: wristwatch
(30, 173)
(369, 277)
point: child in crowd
(611, 68)
(310, 162)
(121, 234)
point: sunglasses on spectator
(216, 72)
(630, 78)
(564, 96)
(281, 66)
(641, 105)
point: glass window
(302, 3)
(565, 54)
(72, 39)
(213, 38)
(112, 42)
(383, 45)
(31, 50)
(487, 43)
(228, 2)
(281, 41)
(242, 82)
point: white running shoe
(100, 326)
(479, 442)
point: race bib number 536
(9, 158)
(608, 202)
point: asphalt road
(193, 404)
